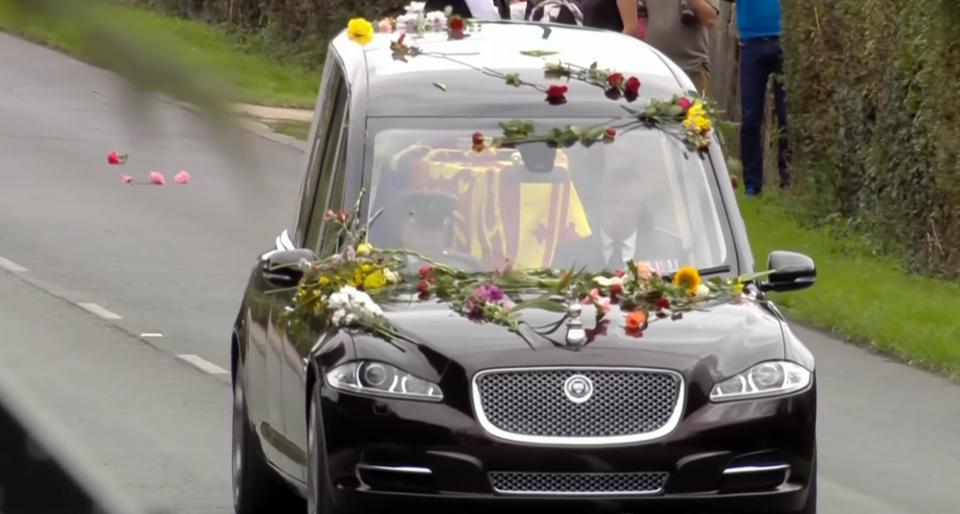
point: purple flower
(488, 293)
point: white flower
(392, 276)
(437, 19)
(349, 304)
(607, 282)
(416, 7)
(703, 290)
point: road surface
(116, 301)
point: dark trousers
(759, 59)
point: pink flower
(182, 178)
(385, 26)
(116, 158)
(127, 179)
(156, 178)
(685, 103)
(602, 303)
(644, 270)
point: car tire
(319, 499)
(256, 488)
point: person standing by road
(680, 29)
(761, 56)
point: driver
(623, 229)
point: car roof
(431, 86)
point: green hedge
(875, 121)
(293, 29)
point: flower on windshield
(687, 278)
(360, 30)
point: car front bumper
(389, 454)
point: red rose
(456, 24)
(632, 87)
(615, 80)
(557, 94)
(616, 290)
(663, 303)
(609, 135)
(478, 145)
(115, 158)
(685, 104)
(425, 270)
(613, 93)
(733, 181)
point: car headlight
(764, 379)
(379, 379)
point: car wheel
(318, 487)
(256, 488)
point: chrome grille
(505, 482)
(530, 405)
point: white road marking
(100, 311)
(202, 364)
(151, 334)
(9, 265)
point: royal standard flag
(505, 215)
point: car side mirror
(282, 268)
(791, 271)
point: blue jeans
(759, 59)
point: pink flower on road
(182, 178)
(127, 179)
(116, 158)
(156, 178)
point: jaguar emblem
(578, 388)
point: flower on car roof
(360, 30)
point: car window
(329, 190)
(332, 82)
(542, 207)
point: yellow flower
(688, 278)
(324, 280)
(738, 287)
(375, 280)
(364, 248)
(697, 119)
(360, 31)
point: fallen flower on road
(116, 158)
(157, 178)
(127, 179)
(182, 178)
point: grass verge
(863, 297)
(248, 76)
(297, 129)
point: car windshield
(641, 197)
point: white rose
(703, 290)
(338, 316)
(607, 282)
(392, 276)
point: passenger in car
(623, 230)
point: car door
(288, 457)
(319, 238)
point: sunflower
(688, 278)
(360, 30)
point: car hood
(722, 340)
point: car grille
(531, 405)
(577, 483)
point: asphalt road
(76, 246)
